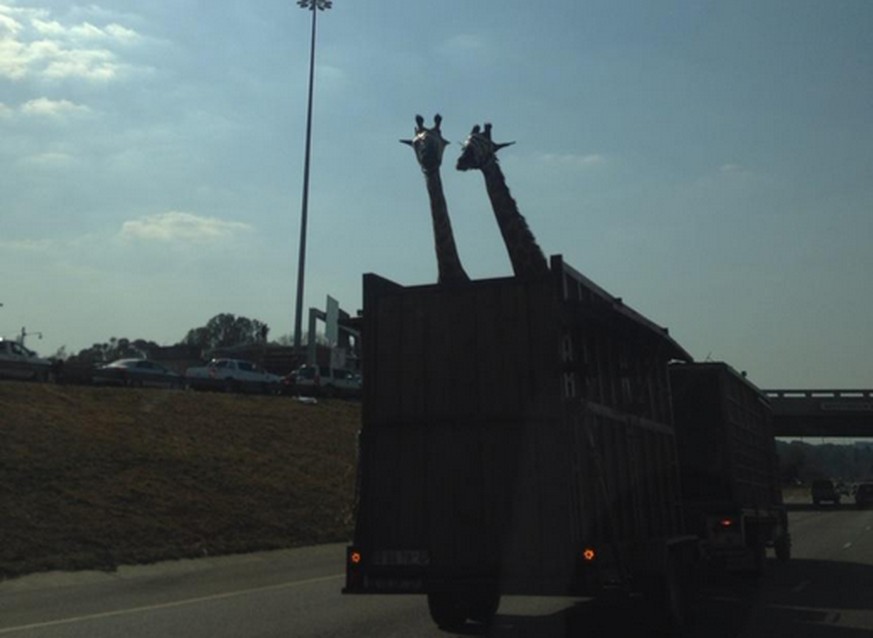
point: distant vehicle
(137, 373)
(824, 491)
(323, 381)
(864, 495)
(232, 375)
(17, 362)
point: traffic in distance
(219, 374)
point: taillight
(354, 569)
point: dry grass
(95, 477)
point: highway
(825, 591)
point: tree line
(801, 462)
(222, 331)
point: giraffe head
(428, 144)
(478, 149)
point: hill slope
(94, 477)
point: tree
(116, 349)
(225, 330)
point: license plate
(401, 557)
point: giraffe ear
(406, 142)
(497, 147)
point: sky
(709, 162)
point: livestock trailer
(729, 466)
(516, 438)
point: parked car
(137, 373)
(824, 491)
(864, 495)
(232, 375)
(17, 362)
(323, 381)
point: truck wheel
(484, 607)
(666, 599)
(447, 610)
(782, 545)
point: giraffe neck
(448, 262)
(525, 254)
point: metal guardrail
(819, 394)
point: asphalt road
(825, 591)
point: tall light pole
(310, 5)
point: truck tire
(667, 597)
(782, 545)
(484, 607)
(447, 609)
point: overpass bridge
(827, 413)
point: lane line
(170, 605)
(801, 586)
(847, 545)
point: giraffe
(429, 145)
(479, 151)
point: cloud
(33, 45)
(48, 160)
(176, 226)
(468, 50)
(731, 168)
(44, 106)
(572, 159)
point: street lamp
(311, 5)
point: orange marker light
(588, 554)
(355, 558)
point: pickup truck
(232, 375)
(17, 362)
(323, 381)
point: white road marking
(801, 586)
(177, 603)
(847, 545)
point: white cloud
(465, 43)
(572, 159)
(176, 226)
(44, 106)
(33, 44)
(48, 160)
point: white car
(324, 381)
(17, 362)
(137, 373)
(232, 375)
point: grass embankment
(95, 477)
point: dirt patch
(95, 477)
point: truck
(516, 438)
(232, 375)
(731, 493)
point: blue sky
(711, 163)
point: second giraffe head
(479, 149)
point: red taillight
(725, 523)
